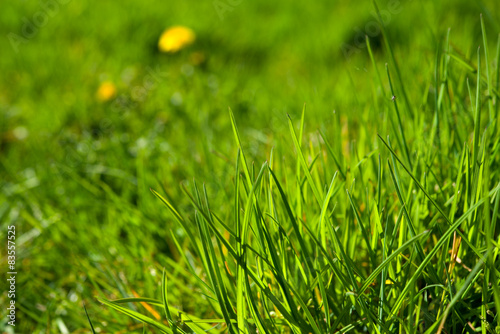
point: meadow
(269, 167)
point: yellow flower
(106, 91)
(175, 38)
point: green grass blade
(393, 59)
(238, 143)
(334, 156)
(242, 270)
(400, 123)
(364, 232)
(164, 299)
(324, 210)
(310, 179)
(90, 321)
(137, 316)
(487, 68)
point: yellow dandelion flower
(106, 91)
(175, 38)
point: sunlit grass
(403, 241)
(372, 209)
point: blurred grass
(76, 172)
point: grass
(371, 208)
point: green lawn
(271, 169)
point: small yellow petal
(106, 91)
(175, 39)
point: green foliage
(381, 216)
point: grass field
(299, 168)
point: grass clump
(402, 239)
(374, 210)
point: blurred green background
(75, 171)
